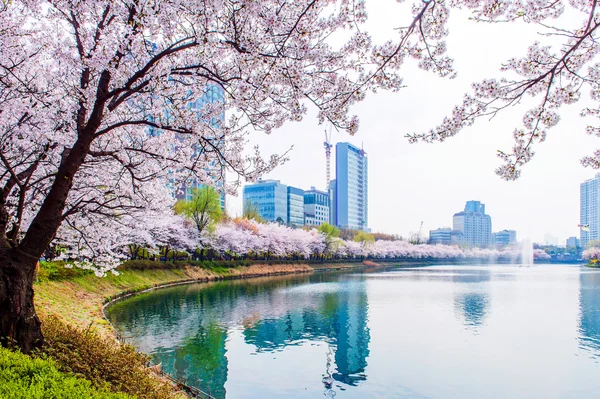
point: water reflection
(471, 302)
(431, 332)
(589, 320)
(340, 319)
(186, 328)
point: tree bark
(19, 324)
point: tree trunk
(19, 324)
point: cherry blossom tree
(559, 69)
(541, 255)
(592, 254)
(275, 241)
(96, 120)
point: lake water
(496, 331)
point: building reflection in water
(184, 328)
(340, 320)
(589, 308)
(472, 302)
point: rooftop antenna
(327, 145)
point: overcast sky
(410, 183)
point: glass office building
(316, 207)
(351, 187)
(440, 236)
(332, 203)
(589, 217)
(270, 198)
(295, 207)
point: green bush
(59, 270)
(102, 361)
(34, 378)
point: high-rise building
(351, 174)
(440, 236)
(332, 203)
(295, 207)
(589, 217)
(316, 207)
(270, 197)
(504, 238)
(474, 225)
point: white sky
(410, 183)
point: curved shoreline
(129, 293)
(191, 391)
(132, 292)
(80, 301)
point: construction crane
(327, 145)
(416, 238)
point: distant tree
(594, 244)
(203, 209)
(592, 254)
(329, 230)
(416, 239)
(331, 233)
(383, 237)
(251, 212)
(348, 234)
(365, 240)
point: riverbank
(79, 301)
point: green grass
(35, 378)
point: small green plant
(23, 377)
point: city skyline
(344, 205)
(428, 183)
(503, 216)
